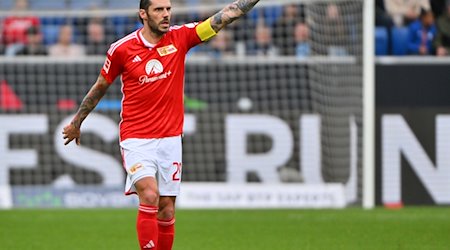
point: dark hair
(32, 30)
(144, 4)
(424, 12)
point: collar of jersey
(143, 41)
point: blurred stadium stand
(6, 4)
(86, 4)
(399, 39)
(47, 4)
(381, 41)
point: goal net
(275, 98)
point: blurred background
(274, 104)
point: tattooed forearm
(90, 101)
(245, 5)
(231, 12)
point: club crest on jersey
(135, 168)
(166, 50)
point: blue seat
(47, 5)
(50, 34)
(381, 41)
(272, 14)
(85, 4)
(399, 40)
(6, 4)
(47, 20)
(120, 24)
(122, 4)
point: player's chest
(151, 62)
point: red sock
(166, 234)
(147, 226)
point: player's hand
(70, 133)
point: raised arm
(97, 91)
(231, 12)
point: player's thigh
(147, 185)
(140, 162)
(170, 166)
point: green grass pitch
(96, 229)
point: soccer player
(151, 64)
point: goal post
(369, 105)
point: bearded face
(157, 16)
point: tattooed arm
(97, 91)
(231, 12)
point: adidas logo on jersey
(137, 59)
(149, 245)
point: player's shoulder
(184, 26)
(123, 43)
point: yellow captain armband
(205, 31)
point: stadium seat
(122, 4)
(121, 25)
(53, 20)
(47, 4)
(381, 41)
(85, 4)
(50, 33)
(192, 3)
(272, 13)
(6, 4)
(399, 40)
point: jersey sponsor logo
(167, 50)
(146, 79)
(154, 67)
(155, 72)
(135, 168)
(107, 65)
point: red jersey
(153, 80)
(15, 28)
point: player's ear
(142, 14)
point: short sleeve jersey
(153, 80)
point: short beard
(156, 30)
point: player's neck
(150, 36)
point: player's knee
(148, 196)
(166, 209)
(166, 213)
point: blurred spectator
(442, 42)
(97, 39)
(421, 34)
(283, 35)
(14, 27)
(382, 18)
(404, 12)
(35, 44)
(438, 7)
(65, 47)
(303, 47)
(221, 45)
(262, 44)
(337, 35)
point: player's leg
(147, 220)
(166, 222)
(139, 161)
(169, 178)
